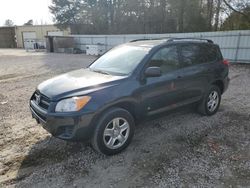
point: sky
(20, 11)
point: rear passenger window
(166, 58)
(193, 54)
(190, 55)
(209, 53)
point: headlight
(72, 104)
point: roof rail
(160, 38)
(174, 39)
(169, 39)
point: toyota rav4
(141, 78)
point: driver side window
(167, 59)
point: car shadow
(45, 152)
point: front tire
(114, 131)
(210, 103)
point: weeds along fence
(235, 45)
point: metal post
(106, 43)
(237, 48)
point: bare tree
(231, 7)
(8, 22)
(30, 22)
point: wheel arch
(220, 84)
(130, 105)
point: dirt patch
(179, 149)
(7, 76)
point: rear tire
(114, 131)
(210, 103)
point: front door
(162, 93)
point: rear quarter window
(193, 54)
(209, 53)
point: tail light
(226, 62)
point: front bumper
(66, 126)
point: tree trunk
(210, 4)
(181, 15)
(163, 15)
(217, 15)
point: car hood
(77, 82)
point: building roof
(3, 27)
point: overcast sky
(20, 11)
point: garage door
(55, 33)
(29, 38)
(29, 35)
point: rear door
(197, 68)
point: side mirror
(153, 72)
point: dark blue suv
(102, 102)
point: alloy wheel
(213, 101)
(116, 133)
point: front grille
(41, 100)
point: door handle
(178, 77)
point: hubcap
(213, 101)
(116, 133)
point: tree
(30, 22)
(69, 12)
(8, 23)
(240, 8)
(144, 16)
(217, 15)
(189, 15)
(237, 21)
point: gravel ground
(178, 149)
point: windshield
(119, 61)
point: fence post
(237, 48)
(92, 40)
(106, 43)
